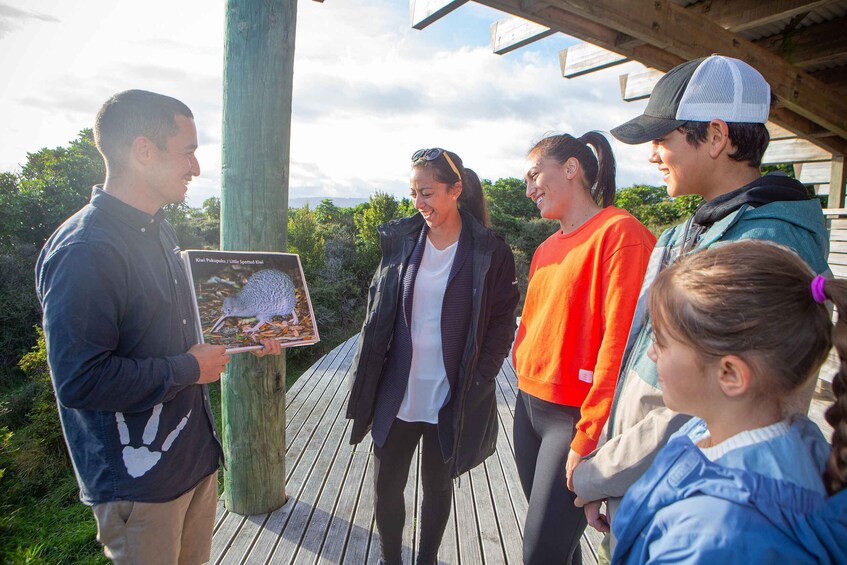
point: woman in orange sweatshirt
(583, 287)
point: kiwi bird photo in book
(243, 297)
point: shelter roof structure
(799, 46)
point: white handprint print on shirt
(139, 460)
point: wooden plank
(794, 151)
(324, 511)
(317, 369)
(638, 86)
(776, 131)
(470, 551)
(311, 514)
(358, 542)
(425, 12)
(813, 173)
(839, 271)
(513, 33)
(236, 533)
(838, 235)
(343, 516)
(301, 425)
(310, 455)
(490, 535)
(837, 222)
(507, 518)
(837, 248)
(584, 58)
(837, 259)
(225, 534)
(220, 514)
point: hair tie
(817, 289)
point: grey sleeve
(618, 463)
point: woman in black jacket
(440, 320)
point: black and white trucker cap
(702, 90)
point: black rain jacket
(490, 335)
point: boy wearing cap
(705, 119)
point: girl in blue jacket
(738, 330)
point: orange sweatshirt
(583, 287)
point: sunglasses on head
(432, 155)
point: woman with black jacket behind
(440, 321)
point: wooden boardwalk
(329, 514)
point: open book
(242, 297)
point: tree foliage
(52, 185)
(654, 208)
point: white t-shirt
(428, 385)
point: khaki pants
(178, 532)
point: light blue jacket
(761, 503)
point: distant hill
(313, 201)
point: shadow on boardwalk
(328, 517)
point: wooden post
(837, 178)
(258, 77)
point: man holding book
(129, 375)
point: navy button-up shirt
(118, 319)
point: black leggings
(391, 472)
(542, 434)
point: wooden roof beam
(638, 86)
(587, 30)
(513, 33)
(608, 38)
(739, 15)
(584, 58)
(686, 35)
(425, 12)
(776, 131)
(820, 44)
(808, 129)
(794, 150)
(835, 77)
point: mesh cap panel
(725, 89)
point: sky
(369, 89)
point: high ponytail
(598, 166)
(603, 187)
(835, 475)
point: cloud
(13, 19)
(368, 89)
